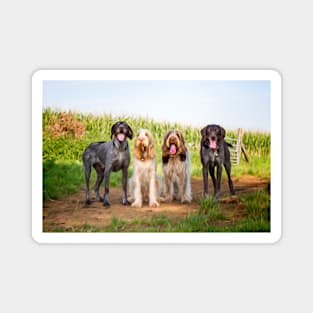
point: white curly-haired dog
(144, 182)
(176, 168)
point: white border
(155, 74)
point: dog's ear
(129, 132)
(182, 157)
(181, 137)
(165, 158)
(203, 131)
(151, 150)
(182, 148)
(223, 132)
(164, 146)
(113, 128)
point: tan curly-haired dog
(145, 182)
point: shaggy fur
(144, 183)
(176, 167)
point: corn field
(66, 134)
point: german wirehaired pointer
(215, 153)
(106, 157)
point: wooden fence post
(241, 146)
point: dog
(214, 152)
(106, 157)
(144, 182)
(176, 167)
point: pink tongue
(213, 144)
(173, 149)
(120, 137)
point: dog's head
(173, 145)
(212, 136)
(144, 145)
(121, 130)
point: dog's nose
(213, 138)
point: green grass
(62, 178)
(209, 218)
(97, 128)
(62, 166)
(63, 173)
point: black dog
(106, 157)
(215, 153)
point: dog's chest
(214, 157)
(174, 167)
(118, 161)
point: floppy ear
(113, 128)
(183, 148)
(164, 146)
(223, 132)
(129, 132)
(203, 131)
(151, 150)
(165, 159)
(182, 157)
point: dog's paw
(186, 199)
(137, 204)
(154, 204)
(88, 201)
(99, 198)
(106, 203)
(125, 202)
(217, 196)
(166, 198)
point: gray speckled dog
(106, 157)
(215, 153)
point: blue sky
(232, 104)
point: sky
(231, 104)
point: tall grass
(63, 147)
(97, 127)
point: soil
(72, 211)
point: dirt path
(72, 211)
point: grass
(75, 131)
(211, 217)
(66, 135)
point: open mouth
(213, 144)
(173, 149)
(121, 137)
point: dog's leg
(100, 176)
(230, 182)
(211, 170)
(168, 192)
(205, 180)
(218, 180)
(106, 198)
(87, 177)
(124, 186)
(152, 192)
(137, 193)
(186, 190)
